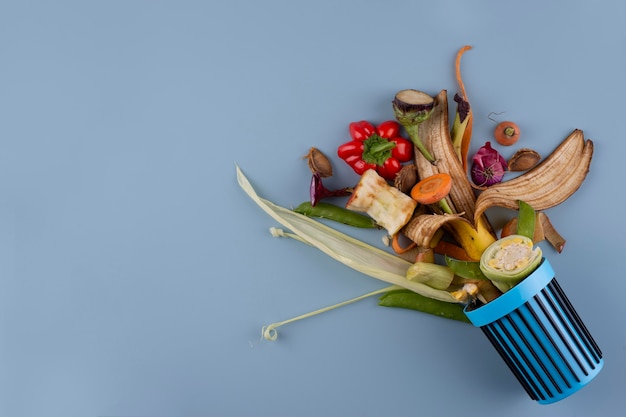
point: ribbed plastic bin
(539, 335)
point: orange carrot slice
(432, 189)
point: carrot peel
(463, 121)
(397, 246)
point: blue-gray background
(135, 275)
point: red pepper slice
(349, 149)
(403, 151)
(389, 129)
(361, 130)
(389, 169)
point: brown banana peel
(550, 233)
(423, 230)
(435, 136)
(550, 183)
(473, 236)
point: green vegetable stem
(411, 108)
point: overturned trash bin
(539, 335)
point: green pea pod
(336, 213)
(414, 301)
(526, 220)
(465, 269)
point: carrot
(453, 251)
(467, 132)
(397, 247)
(432, 189)
(506, 133)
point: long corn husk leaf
(352, 252)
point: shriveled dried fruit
(406, 178)
(319, 163)
(524, 159)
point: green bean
(336, 213)
(414, 301)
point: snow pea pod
(465, 269)
(336, 213)
(525, 220)
(414, 301)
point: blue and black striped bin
(537, 332)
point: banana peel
(473, 235)
(435, 136)
(546, 185)
(550, 183)
(424, 228)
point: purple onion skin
(488, 166)
(318, 191)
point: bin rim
(514, 298)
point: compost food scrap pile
(418, 185)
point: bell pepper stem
(382, 147)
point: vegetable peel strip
(467, 132)
(352, 252)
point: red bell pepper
(380, 148)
